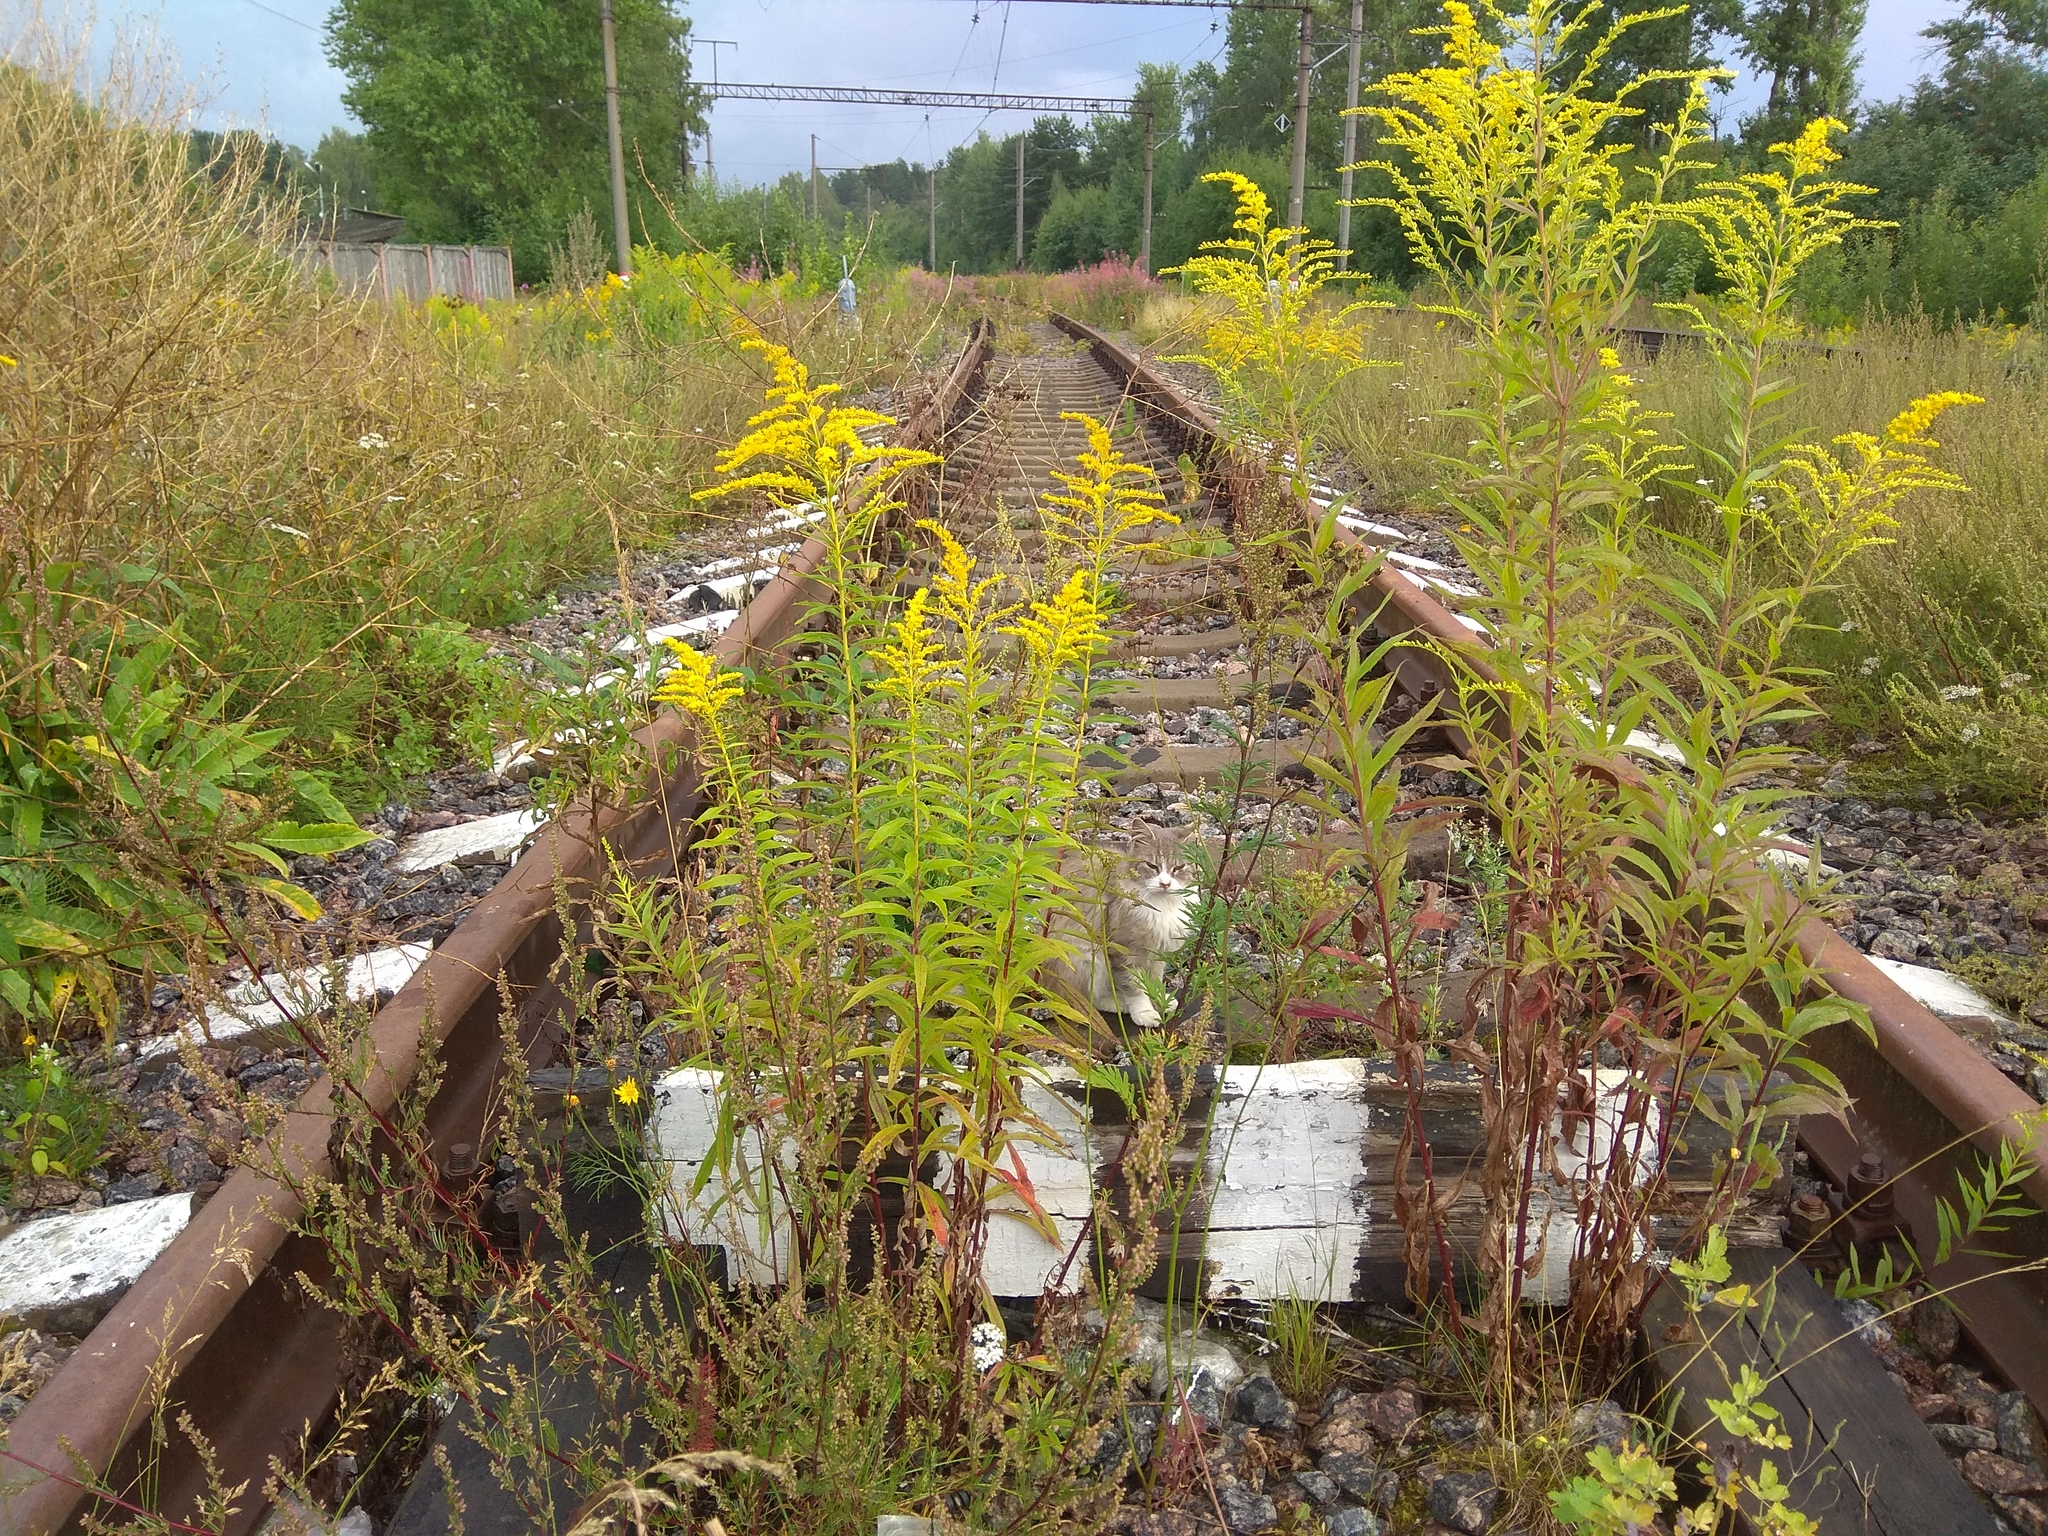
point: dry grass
(319, 493)
(1954, 603)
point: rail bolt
(1810, 1219)
(1869, 1192)
(460, 1162)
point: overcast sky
(261, 61)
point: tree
(485, 119)
(342, 163)
(1685, 42)
(1808, 48)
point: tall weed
(1612, 717)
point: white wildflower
(1848, 626)
(1708, 483)
(1970, 733)
(1869, 666)
(1959, 691)
(987, 1343)
(372, 440)
(2015, 679)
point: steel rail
(220, 1324)
(1923, 1100)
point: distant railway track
(221, 1316)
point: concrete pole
(1350, 136)
(622, 233)
(1145, 227)
(814, 175)
(932, 206)
(1020, 200)
(1297, 181)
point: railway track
(221, 1321)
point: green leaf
(34, 933)
(293, 898)
(263, 853)
(319, 837)
(318, 797)
(28, 824)
(39, 1160)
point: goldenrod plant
(1631, 1489)
(1272, 339)
(851, 952)
(860, 961)
(1613, 710)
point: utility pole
(932, 206)
(622, 232)
(814, 176)
(1020, 199)
(1350, 136)
(1145, 224)
(1297, 181)
(714, 44)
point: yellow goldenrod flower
(1810, 153)
(696, 686)
(10, 362)
(1909, 427)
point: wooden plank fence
(415, 272)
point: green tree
(485, 119)
(343, 164)
(1808, 48)
(1686, 42)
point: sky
(261, 61)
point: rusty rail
(220, 1319)
(1924, 1100)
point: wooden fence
(416, 272)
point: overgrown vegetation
(238, 598)
(251, 521)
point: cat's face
(1159, 866)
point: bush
(1112, 292)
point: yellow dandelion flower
(627, 1093)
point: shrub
(1110, 292)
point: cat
(1132, 908)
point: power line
(281, 16)
(1182, 5)
(988, 101)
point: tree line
(483, 121)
